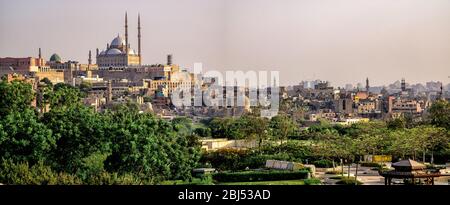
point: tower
(139, 39)
(126, 32)
(169, 59)
(96, 55)
(40, 54)
(367, 85)
(403, 85)
(90, 58)
(109, 93)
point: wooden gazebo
(410, 169)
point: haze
(343, 41)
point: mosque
(119, 55)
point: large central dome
(117, 42)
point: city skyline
(304, 40)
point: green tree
(24, 139)
(281, 126)
(440, 114)
(149, 148)
(79, 132)
(64, 96)
(15, 96)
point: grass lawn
(195, 181)
(284, 182)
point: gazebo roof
(409, 164)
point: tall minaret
(90, 58)
(40, 54)
(367, 85)
(139, 39)
(126, 32)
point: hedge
(260, 176)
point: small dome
(55, 58)
(113, 51)
(102, 53)
(117, 42)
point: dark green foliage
(149, 146)
(323, 163)
(203, 132)
(398, 123)
(440, 114)
(117, 147)
(38, 174)
(312, 181)
(371, 164)
(249, 176)
(24, 138)
(80, 132)
(65, 96)
(15, 97)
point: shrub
(312, 181)
(323, 163)
(371, 164)
(38, 174)
(260, 176)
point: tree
(398, 123)
(183, 125)
(79, 133)
(15, 96)
(257, 129)
(429, 138)
(440, 114)
(24, 139)
(203, 132)
(64, 96)
(149, 148)
(281, 126)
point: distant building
(118, 54)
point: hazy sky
(343, 41)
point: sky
(342, 41)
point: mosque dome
(55, 58)
(113, 51)
(102, 53)
(117, 42)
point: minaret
(169, 59)
(90, 58)
(109, 93)
(126, 32)
(367, 85)
(40, 54)
(139, 39)
(96, 55)
(403, 85)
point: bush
(260, 176)
(323, 163)
(312, 181)
(38, 174)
